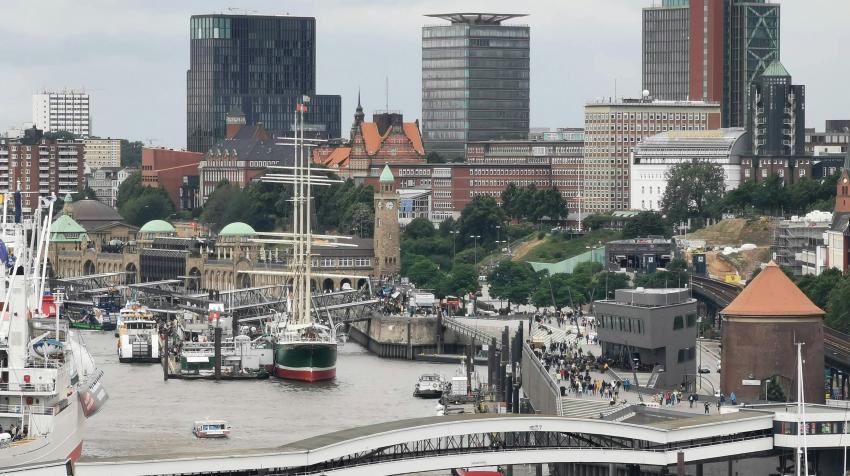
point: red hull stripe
(75, 455)
(305, 375)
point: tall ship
(305, 347)
(49, 383)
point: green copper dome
(237, 228)
(157, 227)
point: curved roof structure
(157, 226)
(772, 294)
(237, 228)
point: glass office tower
(259, 65)
(475, 81)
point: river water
(147, 415)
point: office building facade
(665, 49)
(720, 46)
(614, 129)
(260, 66)
(778, 114)
(475, 81)
(62, 111)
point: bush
(541, 235)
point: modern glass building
(752, 44)
(475, 81)
(665, 50)
(259, 65)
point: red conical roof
(772, 294)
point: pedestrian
(718, 405)
(691, 400)
(706, 408)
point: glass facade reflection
(475, 82)
(260, 65)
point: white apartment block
(105, 182)
(62, 111)
(101, 153)
(656, 155)
(613, 130)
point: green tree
(434, 158)
(131, 153)
(819, 288)
(838, 307)
(694, 190)
(61, 136)
(462, 280)
(480, 217)
(129, 188)
(419, 228)
(85, 194)
(645, 224)
(512, 281)
(358, 220)
(424, 273)
(151, 205)
(662, 279)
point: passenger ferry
(138, 341)
(430, 386)
(211, 429)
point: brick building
(612, 132)
(41, 167)
(165, 168)
(242, 156)
(772, 313)
(385, 140)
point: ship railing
(297, 338)
(26, 410)
(42, 363)
(27, 387)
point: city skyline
(135, 70)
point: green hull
(307, 361)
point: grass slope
(560, 246)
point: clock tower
(387, 242)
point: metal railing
(469, 331)
(27, 410)
(27, 387)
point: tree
(645, 224)
(819, 288)
(480, 217)
(61, 136)
(84, 194)
(694, 190)
(153, 204)
(662, 279)
(424, 273)
(838, 307)
(131, 153)
(358, 219)
(129, 188)
(462, 280)
(512, 281)
(419, 228)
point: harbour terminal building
(156, 251)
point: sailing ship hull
(305, 361)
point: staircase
(590, 407)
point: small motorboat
(211, 429)
(430, 386)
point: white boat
(211, 429)
(138, 341)
(50, 384)
(133, 310)
(430, 386)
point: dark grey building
(751, 38)
(777, 124)
(475, 81)
(656, 329)
(259, 65)
(645, 254)
(665, 55)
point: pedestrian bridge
(427, 444)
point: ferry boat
(138, 341)
(211, 429)
(430, 386)
(49, 383)
(133, 310)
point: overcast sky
(132, 56)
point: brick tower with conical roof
(760, 329)
(387, 242)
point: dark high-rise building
(751, 30)
(777, 123)
(720, 46)
(475, 81)
(665, 50)
(259, 65)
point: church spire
(358, 114)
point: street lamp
(475, 246)
(498, 233)
(454, 244)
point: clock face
(390, 205)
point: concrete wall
(405, 337)
(537, 385)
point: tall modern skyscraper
(752, 44)
(720, 47)
(475, 81)
(778, 114)
(62, 111)
(665, 50)
(259, 66)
